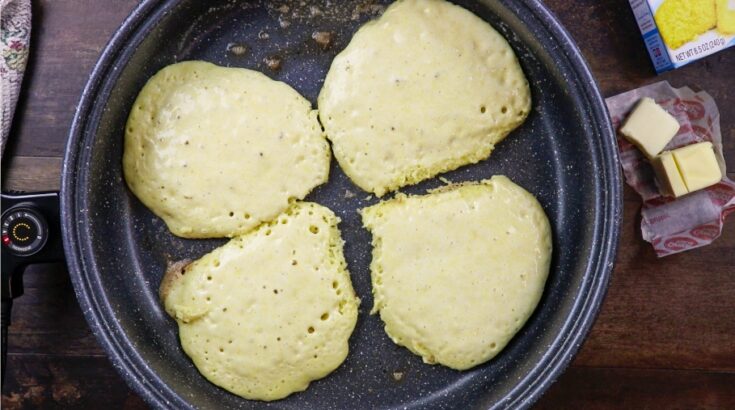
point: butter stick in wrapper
(670, 224)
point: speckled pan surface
(117, 250)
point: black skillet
(117, 250)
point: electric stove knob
(24, 230)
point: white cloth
(15, 35)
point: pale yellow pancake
(426, 88)
(456, 273)
(215, 151)
(270, 311)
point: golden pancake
(270, 311)
(456, 273)
(216, 151)
(426, 88)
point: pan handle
(31, 233)
(7, 306)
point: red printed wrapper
(693, 220)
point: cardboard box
(677, 32)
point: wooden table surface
(665, 337)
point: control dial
(24, 230)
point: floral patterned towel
(15, 36)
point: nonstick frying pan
(117, 250)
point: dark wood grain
(59, 381)
(47, 319)
(591, 388)
(675, 312)
(67, 38)
(665, 337)
(32, 173)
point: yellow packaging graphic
(681, 21)
(726, 16)
(677, 32)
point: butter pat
(698, 165)
(649, 127)
(687, 169)
(667, 173)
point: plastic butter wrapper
(693, 220)
(677, 32)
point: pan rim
(141, 378)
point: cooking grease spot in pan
(237, 49)
(323, 38)
(273, 62)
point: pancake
(216, 151)
(426, 88)
(270, 311)
(456, 273)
